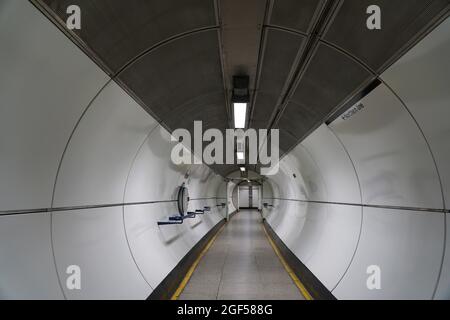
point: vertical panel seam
(362, 211)
(139, 149)
(57, 176)
(433, 157)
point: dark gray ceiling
(280, 53)
(305, 58)
(401, 22)
(181, 82)
(119, 30)
(329, 79)
(295, 14)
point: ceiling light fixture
(240, 100)
(240, 115)
(243, 169)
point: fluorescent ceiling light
(240, 156)
(240, 114)
(242, 169)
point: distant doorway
(249, 197)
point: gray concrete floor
(241, 264)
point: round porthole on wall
(183, 199)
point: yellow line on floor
(289, 270)
(189, 274)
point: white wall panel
(153, 177)
(150, 244)
(328, 240)
(275, 214)
(98, 158)
(406, 245)
(256, 197)
(309, 182)
(292, 221)
(421, 79)
(221, 189)
(336, 168)
(267, 197)
(391, 156)
(27, 270)
(274, 188)
(231, 204)
(288, 217)
(95, 241)
(443, 290)
(199, 179)
(42, 98)
(267, 191)
(284, 182)
(324, 237)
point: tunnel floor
(241, 264)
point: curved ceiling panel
(294, 14)
(399, 24)
(330, 78)
(287, 140)
(181, 81)
(279, 56)
(178, 57)
(297, 120)
(117, 31)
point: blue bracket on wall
(203, 211)
(179, 219)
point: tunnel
(93, 207)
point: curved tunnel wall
(374, 189)
(84, 177)
(84, 174)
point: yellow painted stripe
(188, 276)
(289, 270)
